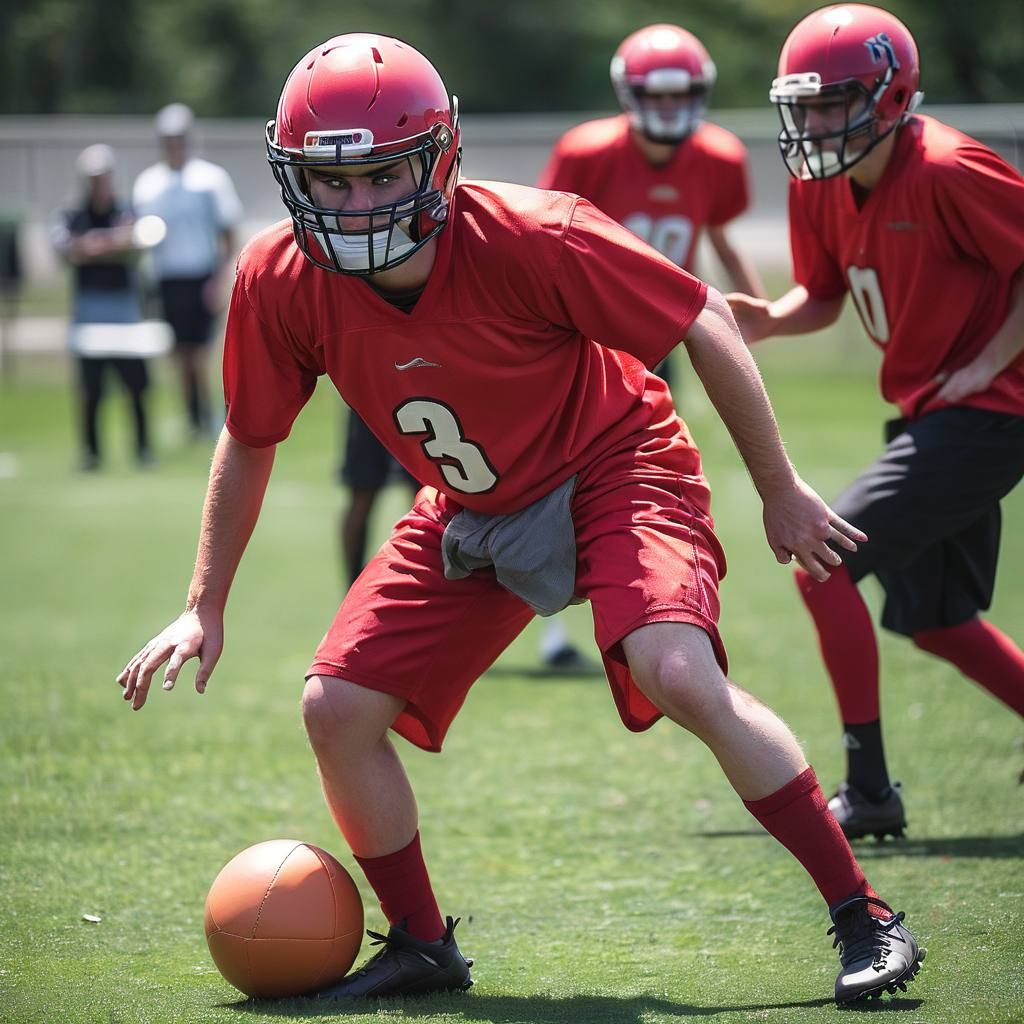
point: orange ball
(283, 918)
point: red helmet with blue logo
(848, 76)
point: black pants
(368, 464)
(134, 375)
(930, 507)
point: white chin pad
(675, 125)
(353, 250)
(820, 163)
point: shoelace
(379, 940)
(865, 935)
(389, 941)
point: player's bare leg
(372, 802)
(364, 782)
(675, 666)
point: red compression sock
(847, 640)
(797, 815)
(984, 654)
(402, 885)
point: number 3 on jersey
(462, 463)
(867, 296)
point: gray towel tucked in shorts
(533, 551)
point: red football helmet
(663, 76)
(848, 76)
(363, 99)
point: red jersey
(522, 362)
(705, 184)
(929, 259)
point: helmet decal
(339, 143)
(881, 47)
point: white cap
(95, 160)
(173, 120)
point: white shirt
(197, 203)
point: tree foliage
(229, 57)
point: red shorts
(646, 552)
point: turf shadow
(991, 847)
(983, 847)
(537, 1009)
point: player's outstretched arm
(796, 312)
(234, 496)
(798, 524)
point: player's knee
(330, 710)
(343, 717)
(684, 684)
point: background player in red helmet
(659, 168)
(497, 338)
(924, 227)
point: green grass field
(601, 876)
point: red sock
(402, 885)
(984, 654)
(847, 641)
(798, 817)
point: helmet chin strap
(353, 250)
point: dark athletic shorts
(930, 507)
(368, 464)
(185, 310)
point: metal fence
(37, 158)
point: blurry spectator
(11, 280)
(95, 237)
(199, 204)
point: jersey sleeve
(732, 193)
(980, 200)
(615, 289)
(813, 266)
(266, 381)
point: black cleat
(877, 956)
(406, 966)
(858, 816)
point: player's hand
(798, 524)
(752, 315)
(968, 380)
(195, 633)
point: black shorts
(186, 311)
(368, 464)
(930, 507)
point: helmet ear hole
(900, 96)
